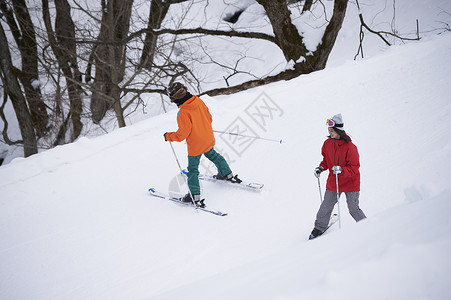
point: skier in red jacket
(340, 157)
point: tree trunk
(14, 91)
(312, 63)
(158, 10)
(307, 5)
(63, 46)
(25, 37)
(65, 34)
(322, 53)
(110, 59)
(287, 36)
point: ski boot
(315, 233)
(197, 201)
(229, 177)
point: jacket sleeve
(185, 125)
(352, 162)
(323, 153)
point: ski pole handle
(249, 136)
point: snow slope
(77, 222)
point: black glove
(165, 136)
(318, 171)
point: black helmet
(176, 91)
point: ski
(243, 184)
(157, 194)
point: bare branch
(299, 68)
(378, 33)
(232, 33)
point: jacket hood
(182, 100)
(337, 142)
(190, 104)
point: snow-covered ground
(77, 222)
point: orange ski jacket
(194, 122)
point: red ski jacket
(343, 154)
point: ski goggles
(332, 123)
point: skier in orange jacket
(194, 124)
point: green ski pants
(193, 169)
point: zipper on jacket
(336, 150)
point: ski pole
(176, 158)
(186, 179)
(338, 202)
(249, 136)
(320, 196)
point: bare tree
(158, 11)
(62, 42)
(105, 47)
(110, 59)
(286, 34)
(13, 89)
(381, 34)
(286, 37)
(24, 36)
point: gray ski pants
(330, 199)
